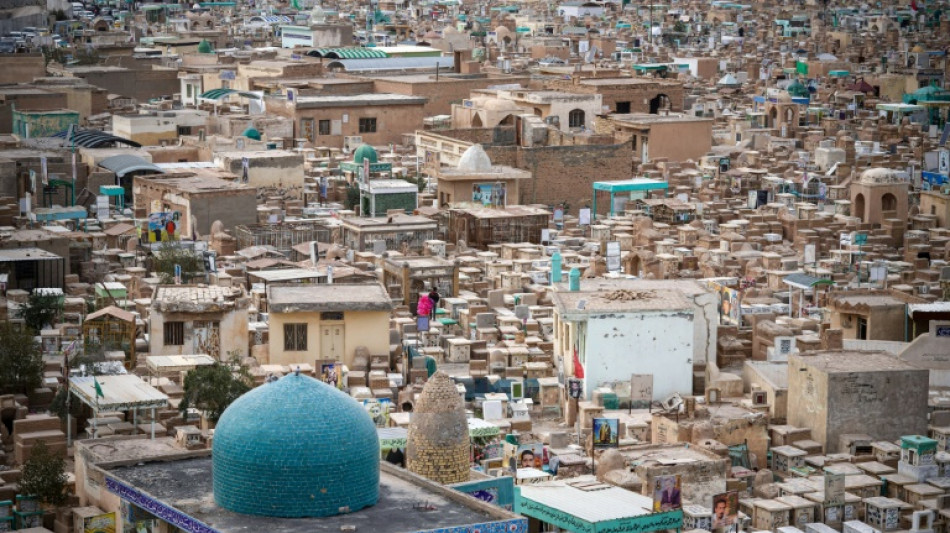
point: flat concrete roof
(624, 81)
(688, 287)
(669, 454)
(197, 299)
(26, 254)
(186, 485)
(336, 297)
(617, 300)
(775, 373)
(848, 361)
(388, 222)
(646, 118)
(356, 100)
(197, 184)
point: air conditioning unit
(351, 142)
(672, 402)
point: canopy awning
(177, 363)
(93, 138)
(804, 281)
(126, 163)
(348, 53)
(217, 94)
(393, 63)
(572, 505)
(636, 184)
(120, 393)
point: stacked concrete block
(33, 429)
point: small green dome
(797, 90)
(927, 93)
(365, 151)
(252, 133)
(204, 47)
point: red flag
(913, 4)
(578, 369)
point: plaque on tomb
(834, 489)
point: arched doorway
(773, 117)
(477, 121)
(660, 101)
(858, 208)
(888, 202)
(575, 119)
(634, 265)
(507, 121)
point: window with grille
(295, 337)
(331, 315)
(174, 333)
(323, 127)
(367, 125)
(575, 119)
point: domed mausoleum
(438, 443)
(295, 448)
(880, 194)
(365, 151)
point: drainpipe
(906, 323)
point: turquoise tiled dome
(365, 151)
(294, 448)
(252, 133)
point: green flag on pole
(98, 388)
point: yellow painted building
(310, 323)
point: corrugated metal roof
(804, 281)
(217, 94)
(593, 506)
(124, 163)
(348, 53)
(271, 19)
(393, 63)
(93, 138)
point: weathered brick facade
(565, 173)
(635, 95)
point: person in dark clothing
(434, 297)
(396, 457)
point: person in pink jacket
(424, 307)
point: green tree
(88, 358)
(21, 361)
(171, 254)
(44, 476)
(352, 199)
(41, 310)
(211, 389)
